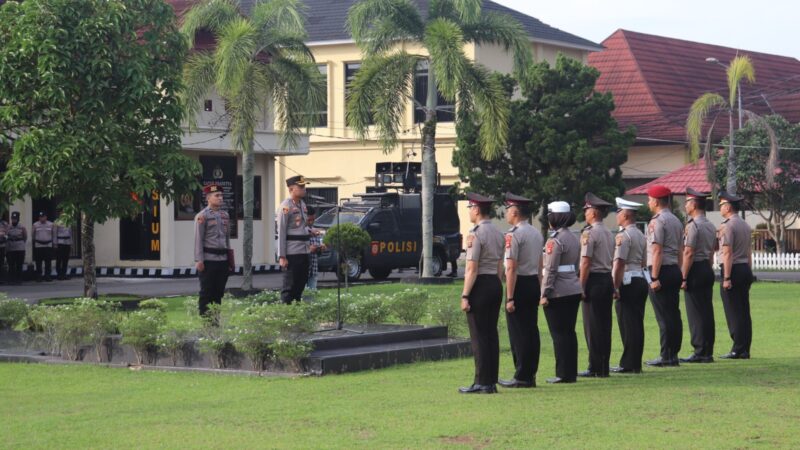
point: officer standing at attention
(293, 240)
(523, 267)
(561, 290)
(43, 245)
(16, 237)
(736, 257)
(699, 243)
(664, 252)
(630, 287)
(211, 244)
(482, 294)
(3, 239)
(64, 245)
(597, 251)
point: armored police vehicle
(391, 212)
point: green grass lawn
(728, 404)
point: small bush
(141, 329)
(290, 351)
(267, 296)
(444, 310)
(410, 305)
(154, 303)
(368, 309)
(323, 308)
(173, 340)
(190, 305)
(12, 312)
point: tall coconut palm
(259, 60)
(382, 88)
(710, 106)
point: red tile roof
(656, 79)
(690, 175)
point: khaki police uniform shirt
(597, 244)
(16, 236)
(485, 245)
(700, 235)
(43, 234)
(292, 222)
(664, 229)
(631, 247)
(561, 249)
(524, 245)
(735, 233)
(211, 230)
(3, 235)
(63, 235)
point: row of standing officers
(49, 240)
(567, 273)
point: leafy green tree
(778, 203)
(349, 241)
(710, 106)
(89, 103)
(259, 60)
(562, 141)
(383, 29)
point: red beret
(212, 188)
(659, 191)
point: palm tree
(259, 59)
(740, 68)
(379, 92)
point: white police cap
(627, 204)
(558, 207)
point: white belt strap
(635, 273)
(567, 268)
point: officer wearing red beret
(211, 244)
(664, 253)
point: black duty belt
(43, 242)
(293, 237)
(14, 239)
(216, 251)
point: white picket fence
(772, 261)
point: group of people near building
(50, 241)
(598, 272)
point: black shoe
(625, 370)
(558, 380)
(661, 362)
(734, 355)
(698, 359)
(479, 389)
(452, 274)
(48, 279)
(514, 383)
(588, 374)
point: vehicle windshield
(328, 218)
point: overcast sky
(769, 26)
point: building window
(445, 110)
(322, 115)
(350, 70)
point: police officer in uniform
(16, 237)
(664, 252)
(698, 277)
(3, 239)
(561, 290)
(482, 294)
(523, 266)
(630, 286)
(736, 257)
(211, 243)
(64, 245)
(597, 251)
(293, 240)
(43, 245)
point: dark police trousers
(630, 319)
(484, 303)
(666, 305)
(15, 260)
(212, 284)
(295, 278)
(597, 320)
(736, 302)
(523, 328)
(700, 308)
(43, 255)
(561, 314)
(62, 259)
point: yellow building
(340, 166)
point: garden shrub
(410, 305)
(12, 312)
(368, 309)
(141, 329)
(444, 310)
(173, 340)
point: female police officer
(482, 294)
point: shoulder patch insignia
(585, 238)
(470, 238)
(549, 247)
(619, 239)
(508, 240)
(286, 210)
(201, 219)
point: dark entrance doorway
(140, 237)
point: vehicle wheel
(354, 270)
(439, 263)
(380, 273)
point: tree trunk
(87, 251)
(428, 175)
(247, 238)
(731, 185)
